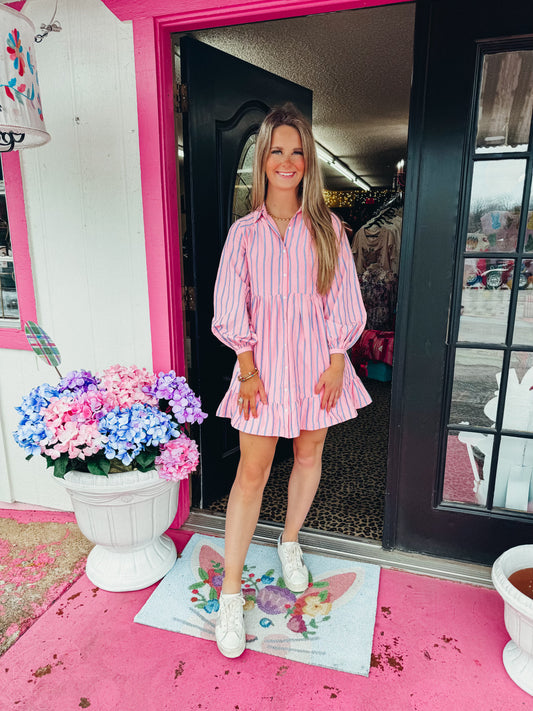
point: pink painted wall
(153, 23)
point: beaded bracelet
(244, 378)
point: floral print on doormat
(38, 562)
(331, 624)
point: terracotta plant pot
(125, 515)
(518, 653)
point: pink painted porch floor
(437, 645)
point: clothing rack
(386, 211)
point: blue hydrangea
(130, 430)
(185, 405)
(31, 430)
(78, 381)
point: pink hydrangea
(126, 385)
(77, 440)
(178, 458)
(72, 425)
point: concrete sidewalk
(437, 646)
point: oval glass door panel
(242, 192)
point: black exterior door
(461, 452)
(227, 100)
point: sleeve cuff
(337, 350)
(238, 351)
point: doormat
(330, 625)
(39, 561)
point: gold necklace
(281, 219)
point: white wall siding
(84, 211)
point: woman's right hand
(249, 391)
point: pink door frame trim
(14, 337)
(154, 21)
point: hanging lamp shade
(21, 116)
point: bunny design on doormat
(284, 624)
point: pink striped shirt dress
(266, 301)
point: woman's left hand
(330, 384)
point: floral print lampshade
(21, 115)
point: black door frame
(393, 479)
(445, 60)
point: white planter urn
(125, 515)
(518, 612)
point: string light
(349, 198)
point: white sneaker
(295, 573)
(229, 627)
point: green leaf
(321, 584)
(270, 572)
(280, 583)
(323, 596)
(313, 624)
(49, 461)
(326, 618)
(142, 468)
(98, 468)
(196, 586)
(213, 594)
(145, 460)
(201, 605)
(29, 457)
(60, 466)
(203, 574)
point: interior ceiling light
(340, 167)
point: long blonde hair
(314, 210)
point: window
(489, 439)
(17, 298)
(9, 305)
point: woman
(287, 301)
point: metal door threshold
(355, 549)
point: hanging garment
(379, 289)
(376, 245)
(266, 301)
(373, 345)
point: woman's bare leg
(304, 480)
(244, 505)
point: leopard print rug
(350, 498)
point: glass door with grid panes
(460, 481)
(489, 447)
